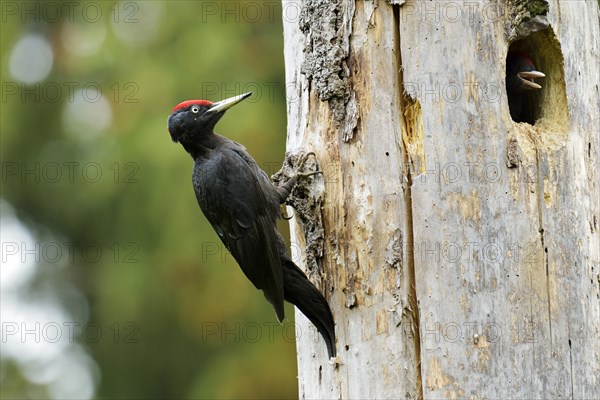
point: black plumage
(242, 205)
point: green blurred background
(114, 285)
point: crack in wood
(412, 291)
(540, 197)
(571, 364)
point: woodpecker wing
(231, 193)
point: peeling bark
(326, 26)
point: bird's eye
(195, 109)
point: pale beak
(528, 76)
(228, 103)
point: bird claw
(307, 174)
(287, 178)
(302, 164)
(294, 163)
(284, 215)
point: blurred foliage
(163, 289)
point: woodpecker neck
(200, 148)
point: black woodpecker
(520, 73)
(242, 205)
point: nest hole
(548, 104)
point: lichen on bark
(326, 47)
(525, 17)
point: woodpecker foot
(303, 162)
(283, 213)
(288, 176)
(307, 174)
(305, 196)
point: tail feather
(298, 290)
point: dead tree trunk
(459, 250)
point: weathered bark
(460, 251)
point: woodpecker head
(520, 73)
(192, 120)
